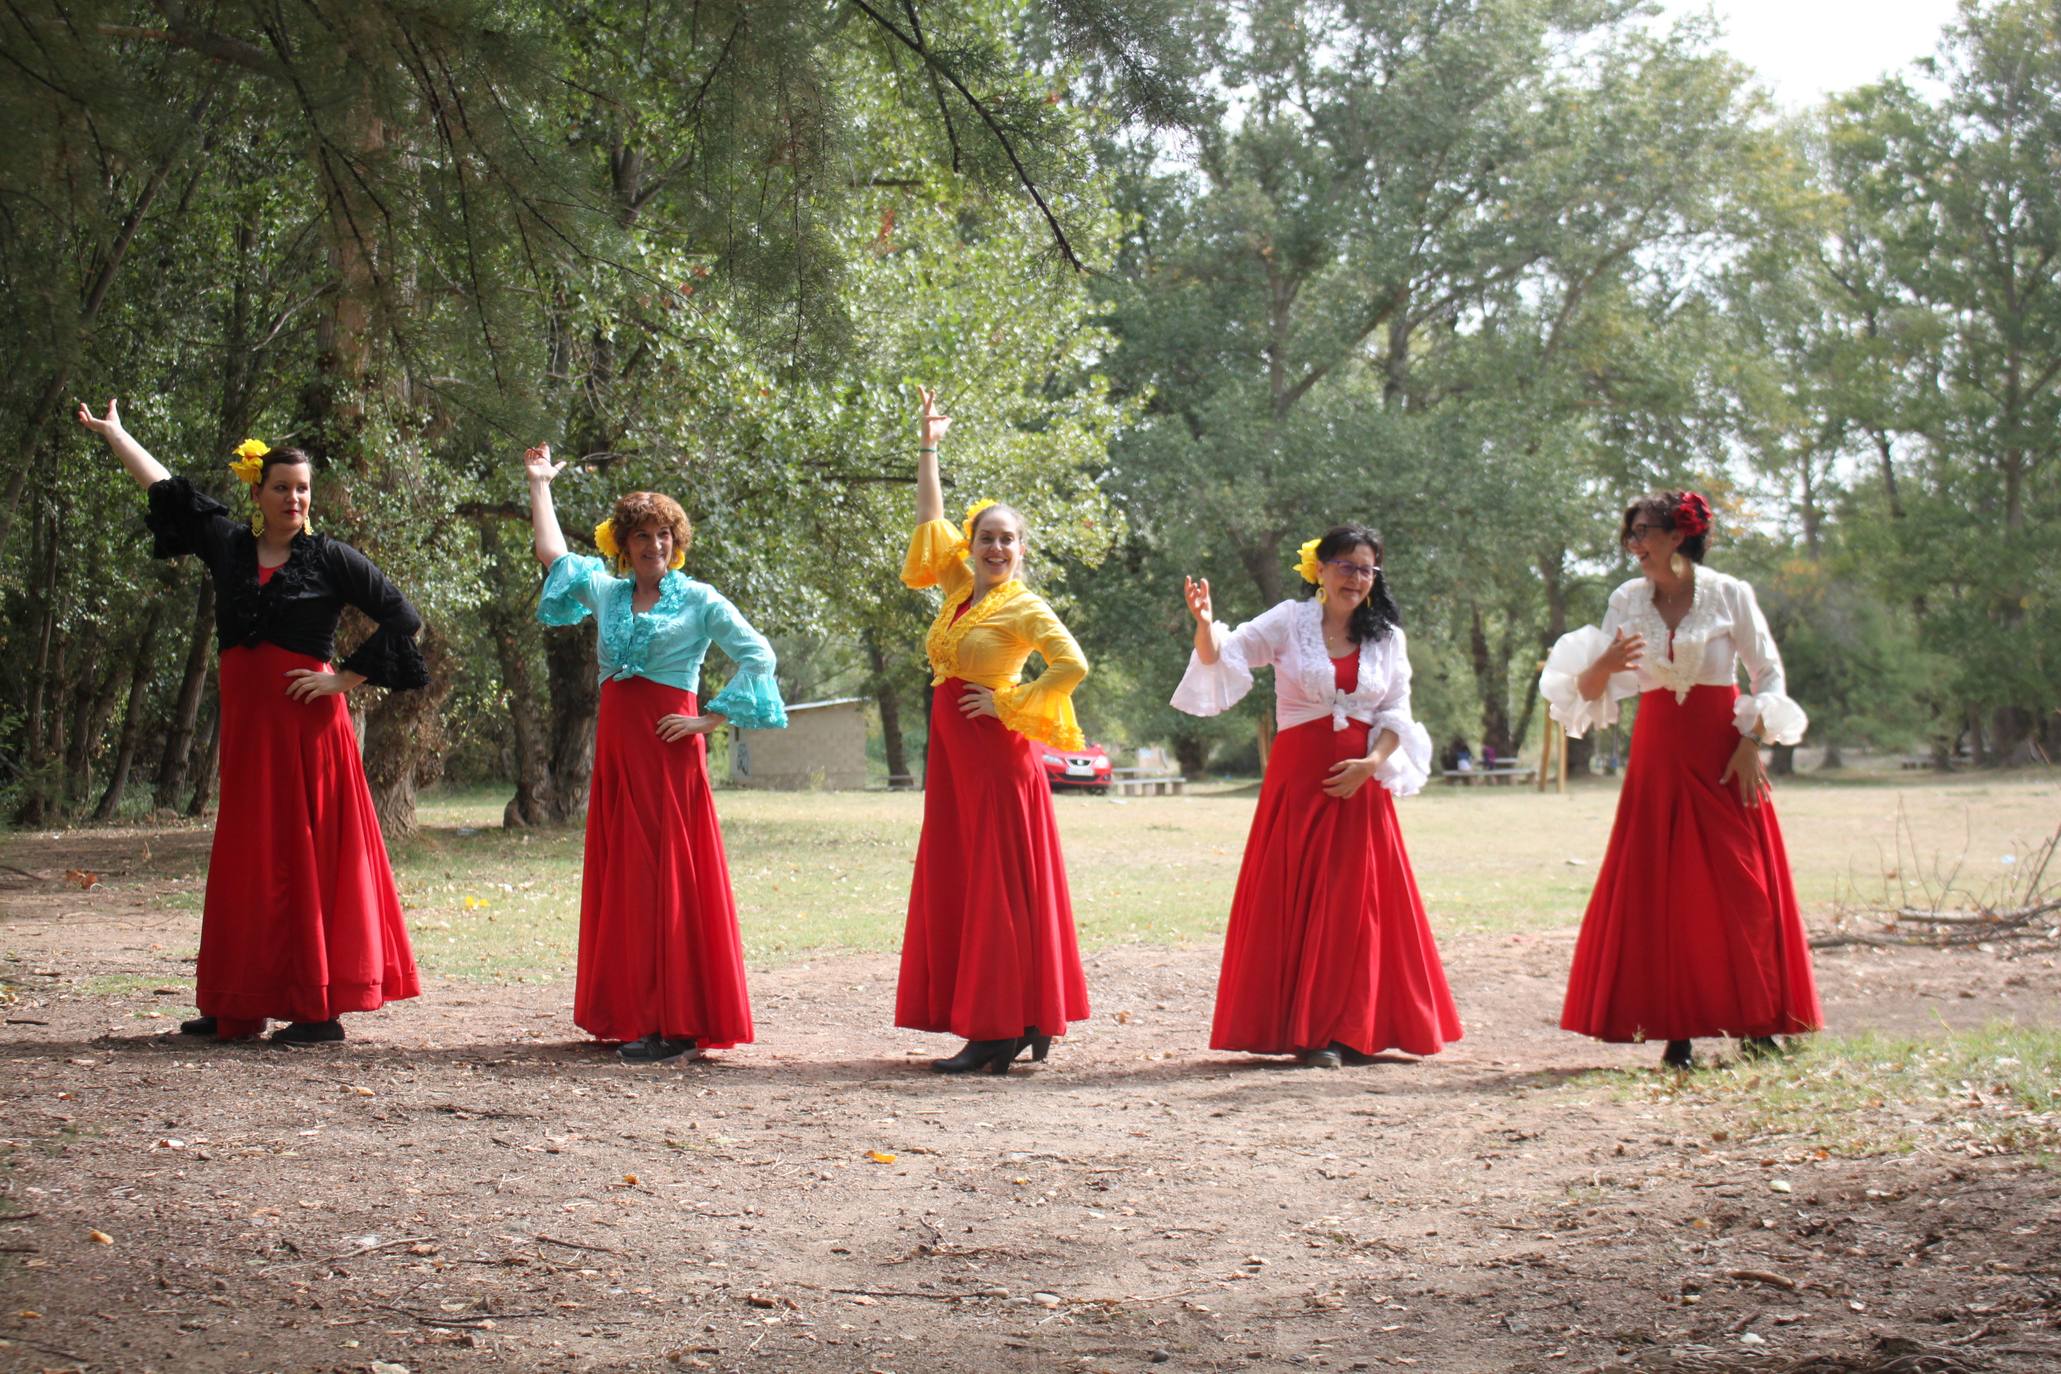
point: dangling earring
(1678, 565)
(257, 523)
(1320, 593)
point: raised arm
(1197, 592)
(147, 470)
(550, 540)
(930, 430)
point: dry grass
(829, 870)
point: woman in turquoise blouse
(661, 967)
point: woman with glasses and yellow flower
(661, 967)
(989, 951)
(1693, 929)
(301, 921)
(1329, 955)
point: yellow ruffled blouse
(989, 644)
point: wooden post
(1561, 784)
(1547, 741)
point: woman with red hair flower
(1693, 928)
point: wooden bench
(1137, 782)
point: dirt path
(465, 1186)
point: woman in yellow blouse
(989, 952)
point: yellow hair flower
(1306, 560)
(972, 514)
(250, 461)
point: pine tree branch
(987, 117)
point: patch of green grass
(1991, 1091)
(125, 985)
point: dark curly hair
(1374, 617)
(1658, 507)
(636, 509)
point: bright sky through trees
(1807, 49)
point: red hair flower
(1692, 515)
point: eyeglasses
(1358, 572)
(1639, 534)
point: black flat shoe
(1326, 1058)
(309, 1033)
(1353, 1056)
(655, 1047)
(1760, 1047)
(980, 1056)
(1680, 1054)
(199, 1025)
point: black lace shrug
(297, 609)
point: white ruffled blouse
(1723, 629)
(1291, 638)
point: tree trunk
(1832, 757)
(569, 657)
(1191, 752)
(94, 709)
(177, 759)
(898, 774)
(1782, 761)
(35, 803)
(1491, 682)
(210, 764)
(2011, 736)
(132, 714)
(528, 714)
(404, 738)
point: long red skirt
(1693, 929)
(301, 921)
(989, 950)
(1328, 938)
(659, 949)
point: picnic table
(1144, 782)
(1503, 774)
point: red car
(1087, 767)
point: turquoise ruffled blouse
(668, 642)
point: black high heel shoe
(655, 1048)
(1038, 1045)
(309, 1033)
(1760, 1047)
(980, 1056)
(1680, 1054)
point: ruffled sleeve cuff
(1559, 683)
(1781, 720)
(933, 549)
(568, 596)
(751, 699)
(391, 660)
(1040, 713)
(177, 515)
(1210, 689)
(1404, 772)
